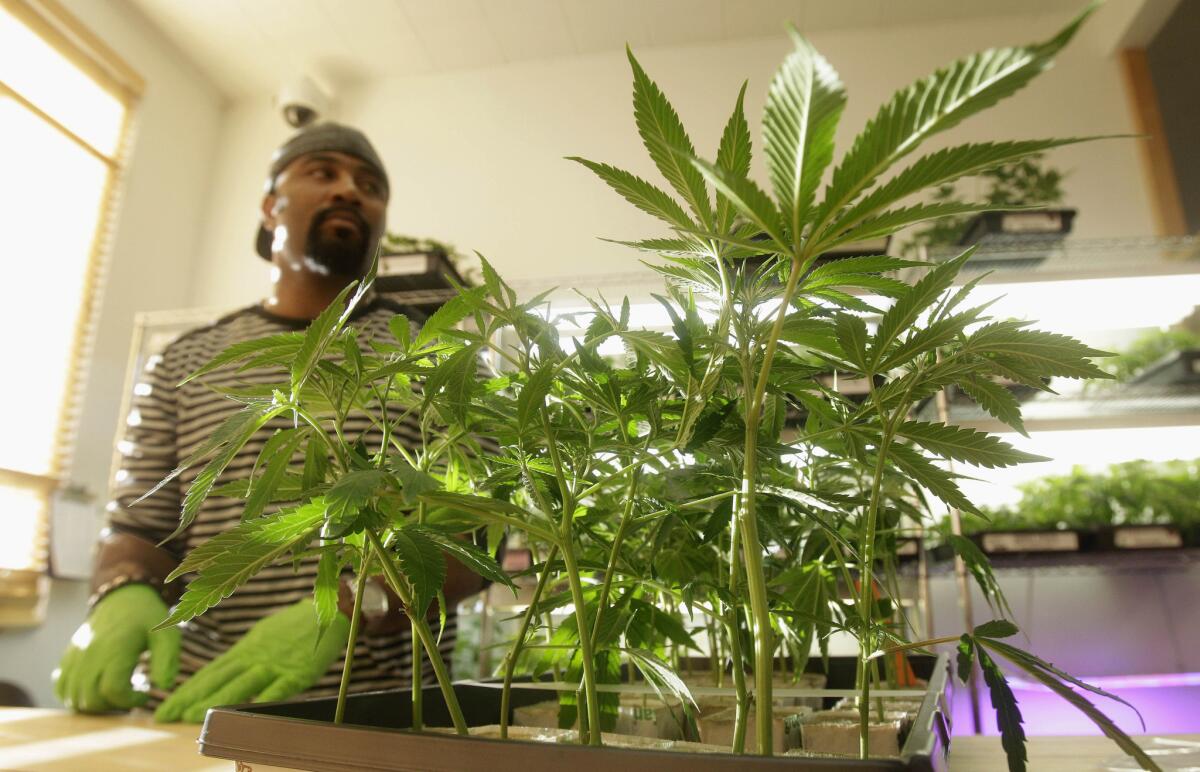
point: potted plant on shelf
(1158, 357)
(1130, 505)
(420, 272)
(1021, 219)
(664, 488)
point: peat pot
(300, 736)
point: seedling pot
(300, 735)
(1026, 226)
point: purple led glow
(1108, 683)
(1169, 703)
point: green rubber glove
(277, 658)
(95, 674)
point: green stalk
(510, 660)
(865, 603)
(867, 559)
(418, 663)
(421, 629)
(585, 641)
(567, 546)
(351, 639)
(756, 584)
(618, 539)
(738, 665)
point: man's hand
(277, 658)
(95, 674)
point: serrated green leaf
(934, 104)
(937, 481)
(928, 339)
(733, 155)
(965, 657)
(1030, 663)
(639, 192)
(1111, 730)
(320, 333)
(908, 308)
(533, 395)
(817, 334)
(198, 491)
(421, 563)
(273, 529)
(996, 628)
(285, 344)
(401, 329)
(278, 454)
(981, 568)
(676, 247)
(945, 166)
(413, 482)
(470, 556)
(448, 314)
(750, 201)
(351, 492)
(667, 141)
(851, 334)
(996, 400)
(668, 627)
(453, 381)
(861, 264)
(227, 561)
(492, 511)
(968, 445)
(1008, 715)
(316, 465)
(893, 220)
(660, 676)
(1041, 353)
(231, 428)
(804, 103)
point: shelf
(1021, 260)
(1110, 561)
(1112, 407)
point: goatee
(342, 252)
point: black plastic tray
(300, 735)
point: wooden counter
(35, 740)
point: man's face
(327, 214)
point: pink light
(1148, 681)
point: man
(323, 214)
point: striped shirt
(166, 424)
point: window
(65, 101)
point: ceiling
(255, 46)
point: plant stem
(585, 641)
(611, 569)
(567, 546)
(866, 551)
(510, 660)
(756, 584)
(738, 665)
(418, 664)
(421, 629)
(351, 639)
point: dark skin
(347, 199)
(331, 188)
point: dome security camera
(302, 102)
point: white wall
(159, 220)
(476, 157)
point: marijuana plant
(710, 472)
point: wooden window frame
(23, 592)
